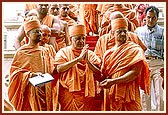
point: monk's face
(64, 11)
(78, 41)
(54, 10)
(43, 9)
(151, 19)
(35, 35)
(46, 34)
(121, 35)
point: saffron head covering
(77, 30)
(119, 23)
(31, 23)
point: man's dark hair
(152, 9)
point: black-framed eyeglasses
(36, 31)
(65, 8)
(46, 5)
(55, 8)
(79, 37)
(121, 30)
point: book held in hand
(41, 79)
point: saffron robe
(107, 41)
(117, 62)
(77, 87)
(22, 94)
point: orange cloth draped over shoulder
(128, 13)
(30, 6)
(107, 41)
(117, 61)
(22, 94)
(28, 60)
(51, 50)
(104, 7)
(77, 88)
(48, 20)
(8, 106)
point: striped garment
(153, 39)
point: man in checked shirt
(153, 36)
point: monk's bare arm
(66, 34)
(65, 66)
(19, 37)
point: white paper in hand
(41, 79)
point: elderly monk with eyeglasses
(30, 60)
(107, 41)
(78, 68)
(125, 70)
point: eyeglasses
(65, 8)
(46, 5)
(120, 31)
(55, 8)
(46, 35)
(79, 37)
(36, 31)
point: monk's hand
(86, 47)
(107, 83)
(83, 53)
(36, 74)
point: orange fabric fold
(107, 41)
(70, 78)
(117, 62)
(132, 19)
(48, 20)
(77, 87)
(30, 6)
(23, 95)
(125, 56)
